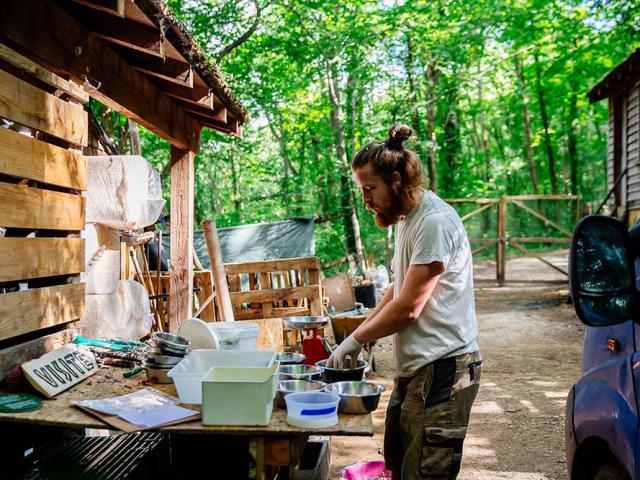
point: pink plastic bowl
(365, 471)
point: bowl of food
(332, 375)
(300, 372)
(356, 396)
(290, 358)
(285, 387)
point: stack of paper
(146, 408)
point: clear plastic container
(239, 396)
(312, 409)
(188, 374)
(235, 335)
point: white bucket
(235, 335)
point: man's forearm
(393, 317)
(386, 298)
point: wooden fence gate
(502, 240)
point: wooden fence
(502, 241)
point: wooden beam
(68, 48)
(218, 112)
(543, 197)
(197, 95)
(217, 268)
(29, 310)
(120, 31)
(26, 207)
(502, 233)
(537, 214)
(37, 109)
(112, 7)
(26, 157)
(28, 67)
(476, 211)
(166, 68)
(299, 263)
(24, 258)
(182, 196)
(276, 294)
(542, 259)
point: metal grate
(96, 458)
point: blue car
(601, 433)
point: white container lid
(197, 332)
(224, 330)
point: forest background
(495, 92)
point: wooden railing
(502, 241)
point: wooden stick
(217, 267)
(155, 302)
(543, 197)
(196, 261)
(542, 259)
(204, 305)
(138, 273)
(477, 211)
(484, 247)
(535, 213)
(539, 240)
(158, 268)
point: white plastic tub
(239, 396)
(188, 374)
(235, 335)
(312, 409)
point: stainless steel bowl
(160, 360)
(288, 358)
(171, 342)
(356, 397)
(306, 322)
(332, 375)
(285, 387)
(299, 372)
(157, 375)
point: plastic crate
(239, 396)
(188, 374)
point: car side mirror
(601, 263)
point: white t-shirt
(447, 325)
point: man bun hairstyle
(390, 156)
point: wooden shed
(133, 57)
(622, 89)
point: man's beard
(391, 213)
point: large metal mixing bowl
(332, 375)
(285, 387)
(307, 322)
(356, 397)
(299, 372)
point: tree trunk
(352, 227)
(451, 143)
(431, 126)
(572, 140)
(416, 124)
(134, 137)
(545, 125)
(526, 122)
(237, 198)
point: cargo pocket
(441, 452)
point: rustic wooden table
(275, 445)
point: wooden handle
(217, 267)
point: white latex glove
(349, 347)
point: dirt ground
(531, 342)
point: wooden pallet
(42, 174)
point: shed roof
(619, 78)
(135, 56)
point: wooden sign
(59, 370)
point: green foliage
(448, 68)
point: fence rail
(502, 241)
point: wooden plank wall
(42, 175)
(633, 147)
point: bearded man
(429, 309)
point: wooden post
(181, 271)
(501, 245)
(219, 273)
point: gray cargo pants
(427, 418)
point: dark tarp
(260, 241)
